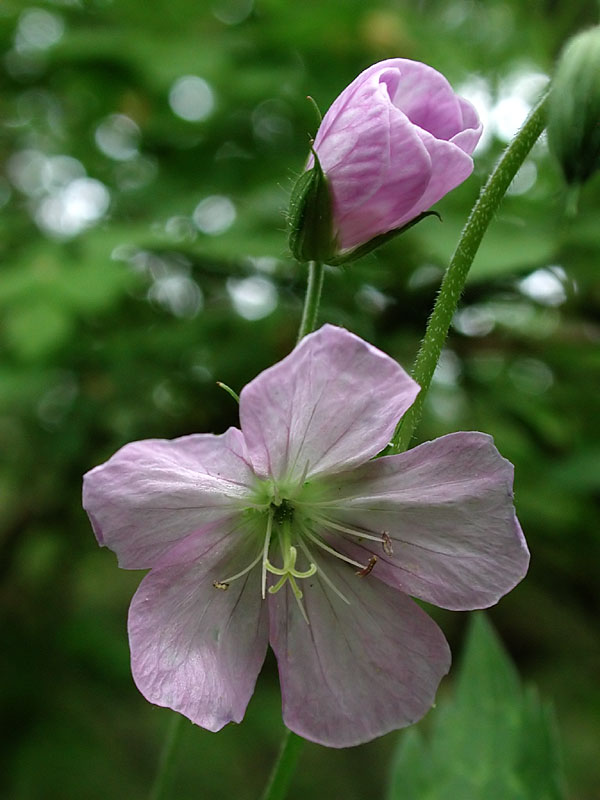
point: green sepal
(310, 216)
(377, 241)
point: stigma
(295, 532)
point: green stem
(292, 744)
(312, 299)
(456, 274)
(167, 759)
(284, 767)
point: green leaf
(410, 773)
(539, 765)
(491, 740)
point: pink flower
(394, 142)
(287, 532)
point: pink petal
(450, 166)
(447, 507)
(407, 174)
(356, 671)
(375, 162)
(194, 648)
(152, 493)
(331, 404)
(427, 99)
(467, 139)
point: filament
(224, 584)
(352, 531)
(324, 575)
(265, 553)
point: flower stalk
(284, 767)
(166, 764)
(316, 272)
(456, 275)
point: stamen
(304, 473)
(324, 575)
(333, 552)
(298, 598)
(366, 570)
(229, 391)
(329, 523)
(265, 553)
(224, 584)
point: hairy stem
(456, 274)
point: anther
(366, 570)
(221, 585)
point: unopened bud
(574, 107)
(395, 141)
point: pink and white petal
(369, 141)
(448, 509)
(369, 76)
(450, 166)
(355, 671)
(152, 493)
(338, 106)
(427, 99)
(351, 134)
(468, 138)
(330, 405)
(195, 648)
(406, 175)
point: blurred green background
(147, 152)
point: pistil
(297, 528)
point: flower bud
(574, 107)
(393, 143)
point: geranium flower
(287, 532)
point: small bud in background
(574, 107)
(394, 142)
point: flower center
(292, 532)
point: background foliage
(147, 154)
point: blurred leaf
(492, 740)
(37, 329)
(510, 246)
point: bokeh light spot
(118, 136)
(214, 215)
(253, 298)
(191, 98)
